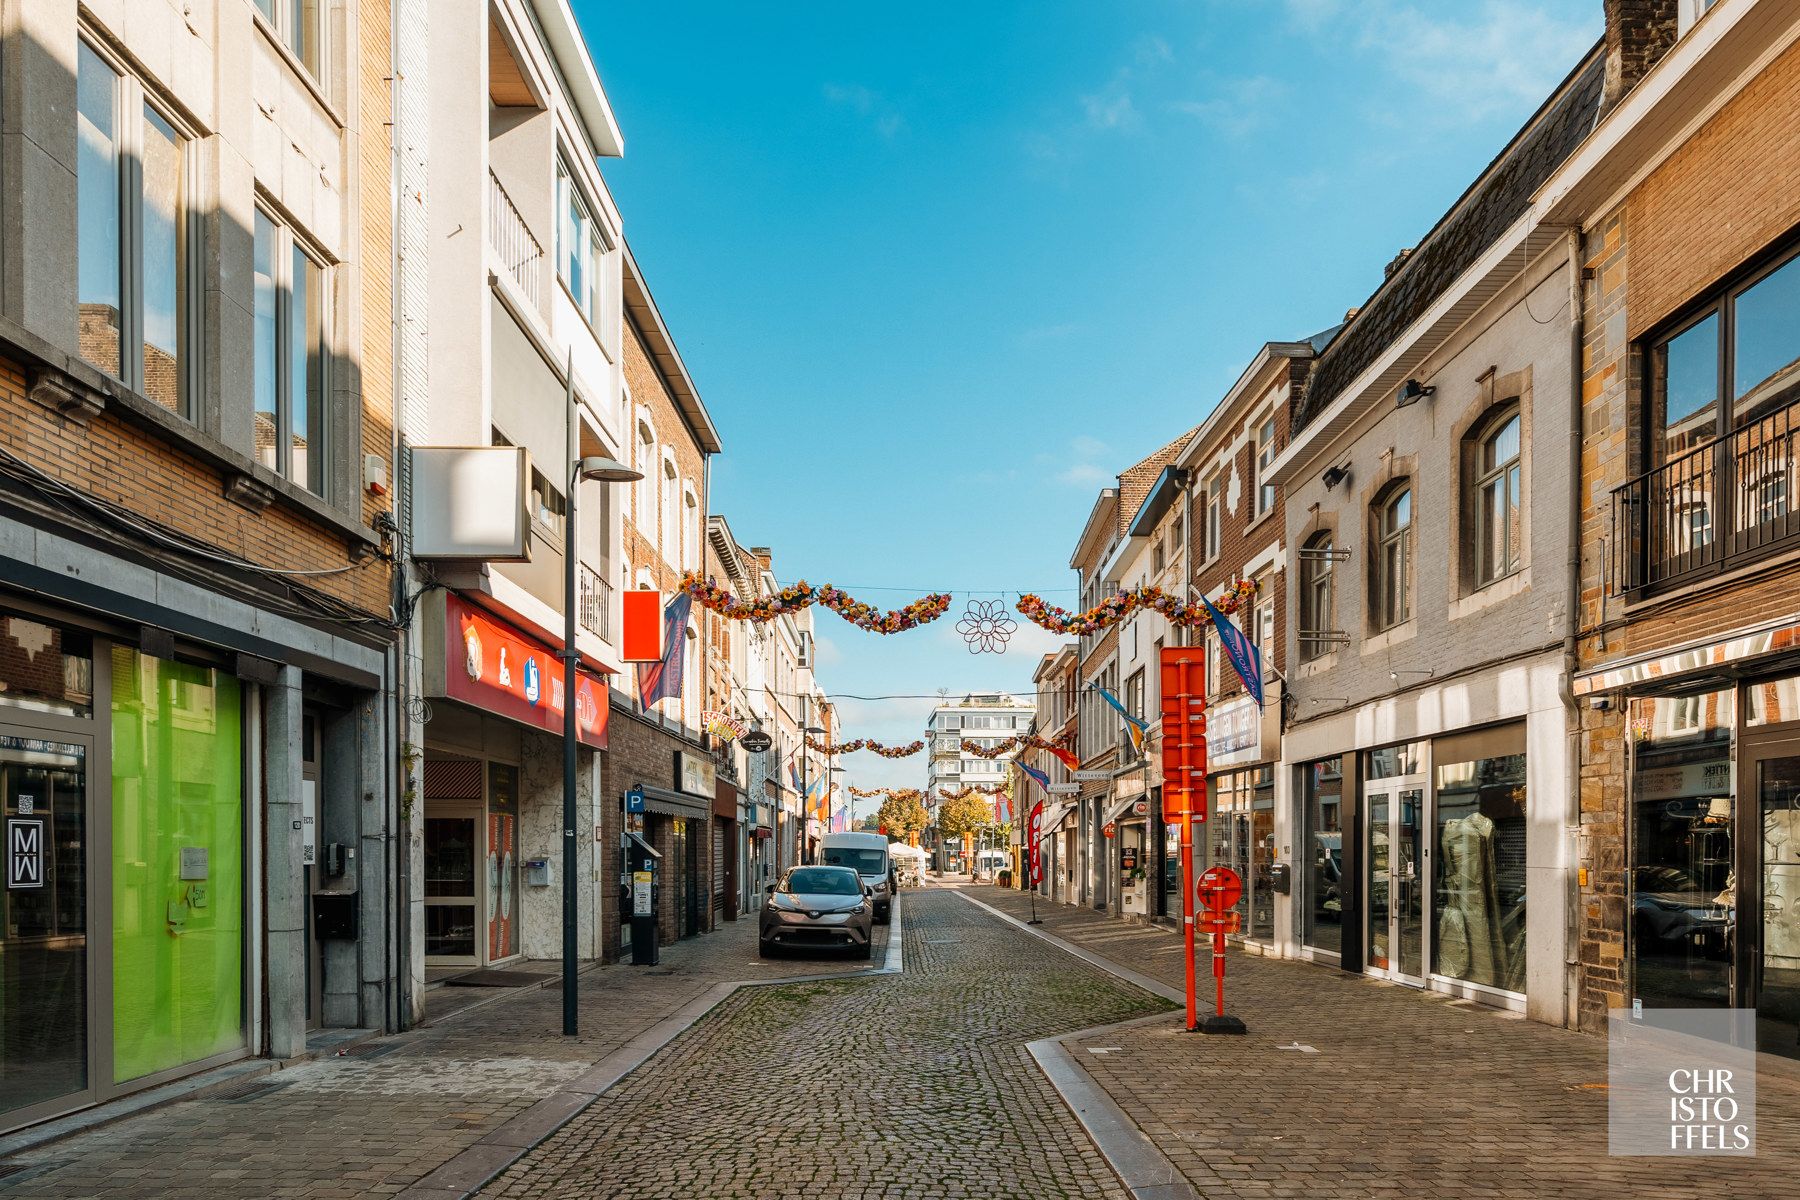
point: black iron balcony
(594, 602)
(1715, 508)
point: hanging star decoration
(986, 627)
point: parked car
(868, 854)
(818, 907)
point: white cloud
(881, 113)
(1111, 107)
(1473, 61)
(1238, 106)
(1082, 475)
(1088, 447)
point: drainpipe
(399, 907)
(1572, 801)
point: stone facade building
(197, 635)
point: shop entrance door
(1394, 883)
(46, 977)
(1771, 864)
(453, 846)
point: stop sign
(1219, 888)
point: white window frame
(644, 495)
(279, 17)
(287, 241)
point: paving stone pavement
(913, 1085)
(374, 1121)
(1409, 1094)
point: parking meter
(643, 865)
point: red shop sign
(494, 667)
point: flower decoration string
(855, 744)
(1121, 604)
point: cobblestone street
(915, 1085)
(1346, 1087)
(382, 1117)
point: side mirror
(770, 889)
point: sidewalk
(1346, 1087)
(394, 1109)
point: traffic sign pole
(1220, 889)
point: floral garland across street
(855, 744)
(1119, 605)
(800, 595)
(980, 751)
(890, 793)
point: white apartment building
(985, 719)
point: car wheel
(884, 914)
(765, 948)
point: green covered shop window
(177, 870)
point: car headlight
(860, 909)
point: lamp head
(600, 469)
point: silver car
(819, 907)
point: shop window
(1480, 850)
(1683, 818)
(177, 864)
(45, 668)
(1322, 815)
(134, 242)
(1392, 562)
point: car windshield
(866, 862)
(823, 881)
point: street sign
(1090, 775)
(756, 741)
(634, 800)
(1219, 888)
(1064, 789)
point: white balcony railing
(513, 242)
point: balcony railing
(593, 607)
(513, 242)
(1716, 507)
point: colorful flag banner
(662, 680)
(1135, 725)
(1240, 650)
(1040, 777)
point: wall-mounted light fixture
(1412, 391)
(1334, 476)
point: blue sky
(941, 270)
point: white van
(868, 853)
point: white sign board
(1064, 789)
(309, 812)
(695, 775)
(1233, 733)
(1089, 775)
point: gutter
(1566, 684)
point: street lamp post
(597, 469)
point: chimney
(1638, 34)
(1395, 263)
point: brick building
(196, 634)
(1687, 198)
(1222, 517)
(1055, 681)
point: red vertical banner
(1183, 688)
(1034, 834)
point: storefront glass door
(1395, 882)
(502, 862)
(451, 846)
(44, 966)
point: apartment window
(690, 530)
(1265, 464)
(1496, 500)
(301, 26)
(670, 538)
(547, 504)
(1157, 558)
(134, 237)
(1318, 608)
(1134, 694)
(580, 246)
(1214, 516)
(1393, 557)
(288, 357)
(644, 502)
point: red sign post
(1219, 890)
(1183, 687)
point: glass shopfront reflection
(1243, 838)
(1682, 814)
(1480, 898)
(1322, 841)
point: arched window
(1318, 599)
(643, 513)
(671, 510)
(1392, 562)
(1497, 498)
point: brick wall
(374, 244)
(1638, 33)
(1729, 192)
(637, 752)
(125, 464)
